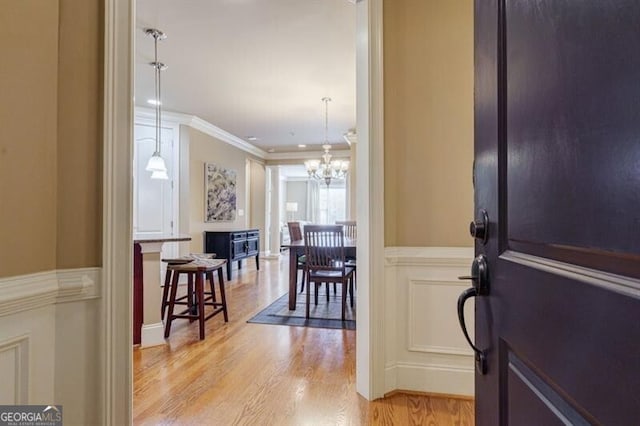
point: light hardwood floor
(255, 374)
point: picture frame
(220, 193)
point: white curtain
(313, 195)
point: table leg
(293, 278)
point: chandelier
(156, 163)
(326, 169)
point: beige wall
(28, 128)
(80, 134)
(206, 149)
(428, 78)
(50, 135)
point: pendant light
(156, 164)
(326, 169)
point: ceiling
(254, 67)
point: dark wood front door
(557, 169)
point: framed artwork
(220, 193)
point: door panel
(573, 130)
(528, 392)
(557, 168)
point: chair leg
(211, 286)
(351, 291)
(308, 298)
(200, 296)
(303, 280)
(344, 299)
(165, 292)
(172, 304)
(191, 298)
(223, 296)
(316, 286)
(327, 289)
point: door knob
(480, 279)
(479, 228)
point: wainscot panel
(50, 341)
(425, 348)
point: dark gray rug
(324, 315)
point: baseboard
(269, 255)
(429, 394)
(152, 335)
(436, 379)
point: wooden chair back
(349, 228)
(324, 247)
(295, 232)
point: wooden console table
(233, 245)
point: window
(332, 202)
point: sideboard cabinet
(233, 246)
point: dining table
(297, 248)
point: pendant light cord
(157, 66)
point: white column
(274, 210)
(352, 179)
(152, 327)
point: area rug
(321, 316)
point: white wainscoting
(50, 341)
(425, 349)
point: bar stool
(167, 280)
(198, 269)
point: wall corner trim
(32, 291)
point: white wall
(297, 193)
(424, 347)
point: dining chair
(349, 228)
(350, 231)
(295, 234)
(325, 261)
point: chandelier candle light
(156, 163)
(326, 169)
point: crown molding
(204, 127)
(148, 114)
(306, 155)
(216, 132)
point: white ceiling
(254, 67)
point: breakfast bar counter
(147, 294)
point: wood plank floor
(255, 374)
